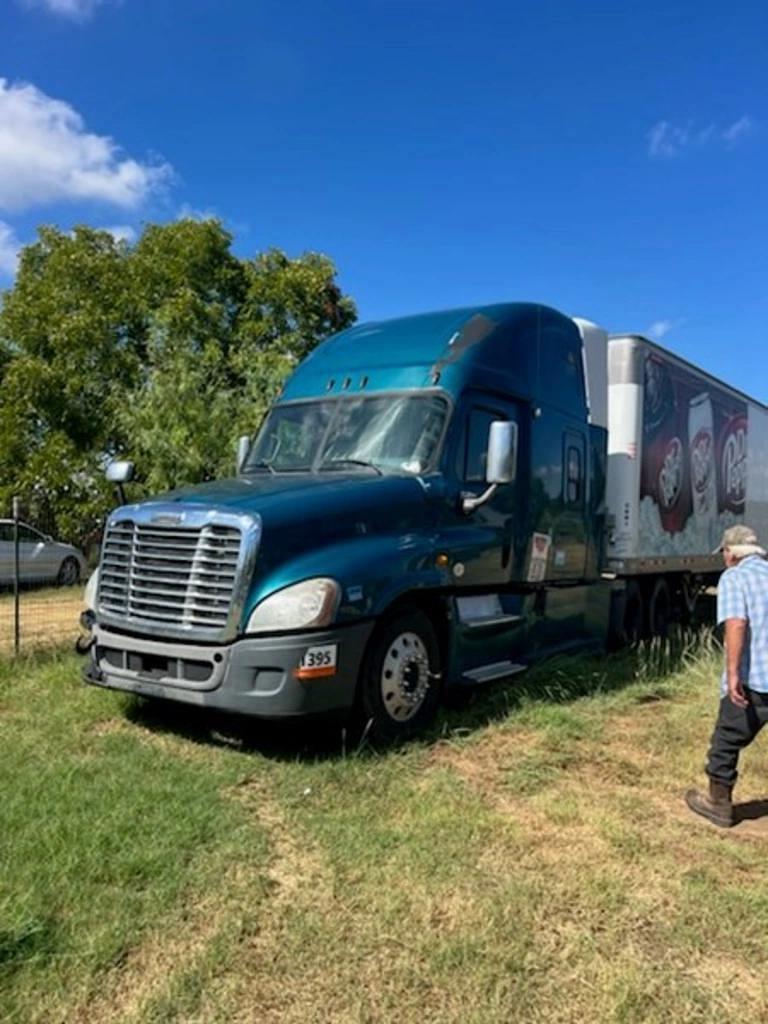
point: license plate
(318, 661)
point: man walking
(742, 604)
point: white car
(41, 558)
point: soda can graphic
(702, 455)
(670, 474)
(733, 464)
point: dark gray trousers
(734, 730)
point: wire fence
(42, 581)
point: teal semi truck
(432, 502)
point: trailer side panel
(688, 458)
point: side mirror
(243, 447)
(501, 463)
(120, 472)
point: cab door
(480, 543)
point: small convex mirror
(501, 464)
(243, 447)
(120, 472)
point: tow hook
(86, 640)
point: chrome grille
(176, 577)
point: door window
(29, 536)
(476, 446)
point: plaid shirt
(742, 593)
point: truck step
(493, 620)
(499, 669)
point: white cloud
(46, 155)
(187, 212)
(659, 328)
(738, 130)
(9, 250)
(122, 232)
(79, 10)
(666, 140)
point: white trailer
(687, 457)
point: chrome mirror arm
(470, 502)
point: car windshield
(384, 432)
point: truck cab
(422, 508)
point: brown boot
(716, 806)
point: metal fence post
(16, 577)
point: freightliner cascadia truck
(432, 502)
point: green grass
(531, 860)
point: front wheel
(69, 573)
(399, 687)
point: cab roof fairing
(493, 347)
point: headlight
(91, 588)
(311, 603)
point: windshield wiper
(260, 465)
(351, 462)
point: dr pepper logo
(733, 463)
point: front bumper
(253, 676)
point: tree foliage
(163, 352)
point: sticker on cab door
(537, 566)
(318, 661)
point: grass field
(47, 617)
(531, 861)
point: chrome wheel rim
(404, 676)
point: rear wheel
(660, 609)
(69, 573)
(634, 613)
(400, 683)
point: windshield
(386, 432)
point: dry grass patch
(47, 618)
(178, 946)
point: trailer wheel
(634, 613)
(400, 682)
(660, 609)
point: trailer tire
(634, 613)
(400, 683)
(660, 609)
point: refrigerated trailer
(687, 458)
(432, 502)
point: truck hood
(342, 502)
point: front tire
(69, 573)
(399, 688)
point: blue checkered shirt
(742, 593)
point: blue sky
(608, 159)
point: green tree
(190, 289)
(70, 337)
(290, 306)
(163, 352)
